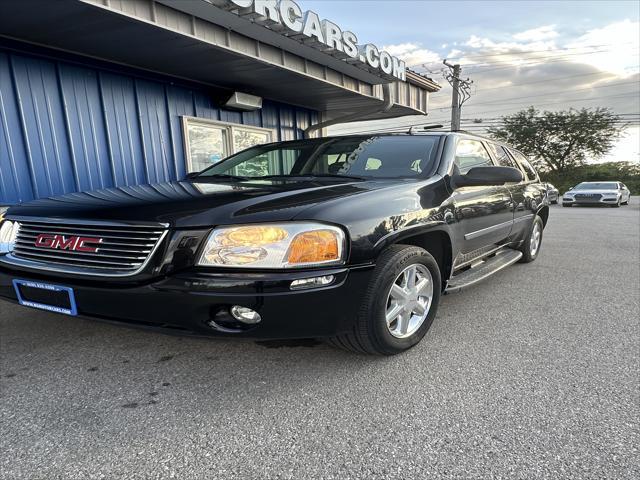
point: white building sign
(286, 17)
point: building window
(207, 142)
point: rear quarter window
(532, 175)
(501, 156)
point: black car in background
(352, 239)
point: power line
(481, 121)
(542, 51)
(487, 127)
(543, 116)
(548, 80)
(513, 108)
(476, 68)
(557, 53)
(557, 92)
(470, 128)
(499, 124)
(445, 123)
(533, 60)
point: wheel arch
(543, 212)
(436, 241)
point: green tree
(560, 141)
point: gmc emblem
(73, 243)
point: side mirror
(486, 176)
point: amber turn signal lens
(252, 236)
(314, 247)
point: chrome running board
(483, 270)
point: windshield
(348, 157)
(597, 186)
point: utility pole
(455, 98)
(461, 92)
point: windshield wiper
(317, 175)
(222, 175)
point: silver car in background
(553, 194)
(597, 193)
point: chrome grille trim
(588, 197)
(126, 250)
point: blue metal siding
(67, 127)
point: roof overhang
(150, 35)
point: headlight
(286, 245)
(8, 234)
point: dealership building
(110, 93)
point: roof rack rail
(486, 137)
(417, 129)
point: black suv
(352, 239)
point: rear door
(516, 190)
(484, 214)
(534, 195)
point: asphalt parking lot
(533, 374)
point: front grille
(124, 249)
(588, 197)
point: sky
(554, 55)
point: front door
(484, 215)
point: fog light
(245, 315)
(312, 282)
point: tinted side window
(501, 155)
(470, 154)
(522, 160)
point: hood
(593, 190)
(196, 204)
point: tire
(370, 333)
(625, 203)
(529, 254)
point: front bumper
(187, 302)
(587, 201)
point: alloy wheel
(536, 237)
(409, 301)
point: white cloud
(413, 53)
(627, 149)
(613, 48)
(489, 46)
(548, 67)
(546, 32)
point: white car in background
(597, 193)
